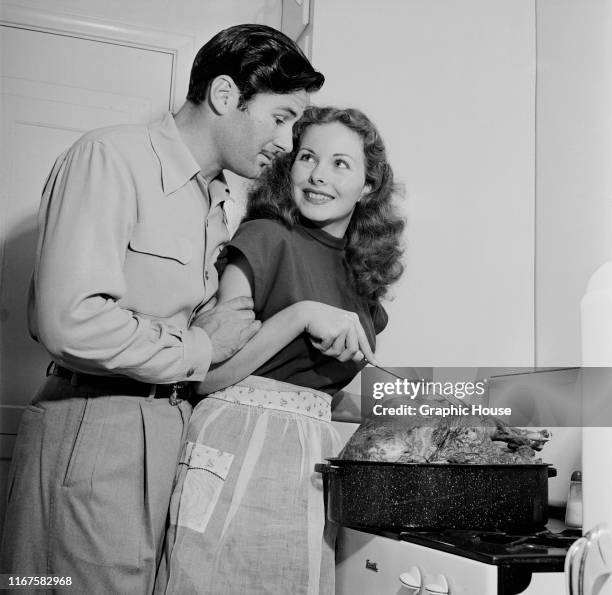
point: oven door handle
(573, 561)
(588, 564)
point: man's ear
(223, 94)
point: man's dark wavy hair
(259, 59)
(373, 249)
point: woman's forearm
(275, 333)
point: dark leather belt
(121, 385)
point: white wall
(574, 173)
(451, 86)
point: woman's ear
(223, 94)
(366, 190)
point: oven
(451, 563)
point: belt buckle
(174, 391)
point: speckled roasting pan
(408, 496)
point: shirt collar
(178, 165)
(217, 189)
(322, 236)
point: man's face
(255, 134)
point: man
(122, 297)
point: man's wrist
(197, 352)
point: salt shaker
(573, 512)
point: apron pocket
(207, 469)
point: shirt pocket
(206, 471)
(160, 273)
(155, 241)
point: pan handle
(552, 472)
(325, 468)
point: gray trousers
(89, 488)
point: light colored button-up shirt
(129, 233)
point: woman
(318, 247)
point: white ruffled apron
(247, 511)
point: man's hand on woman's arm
(335, 332)
(229, 326)
(327, 324)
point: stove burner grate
(542, 549)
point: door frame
(180, 47)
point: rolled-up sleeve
(87, 215)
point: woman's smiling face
(328, 176)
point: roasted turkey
(453, 439)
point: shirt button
(206, 275)
(190, 372)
